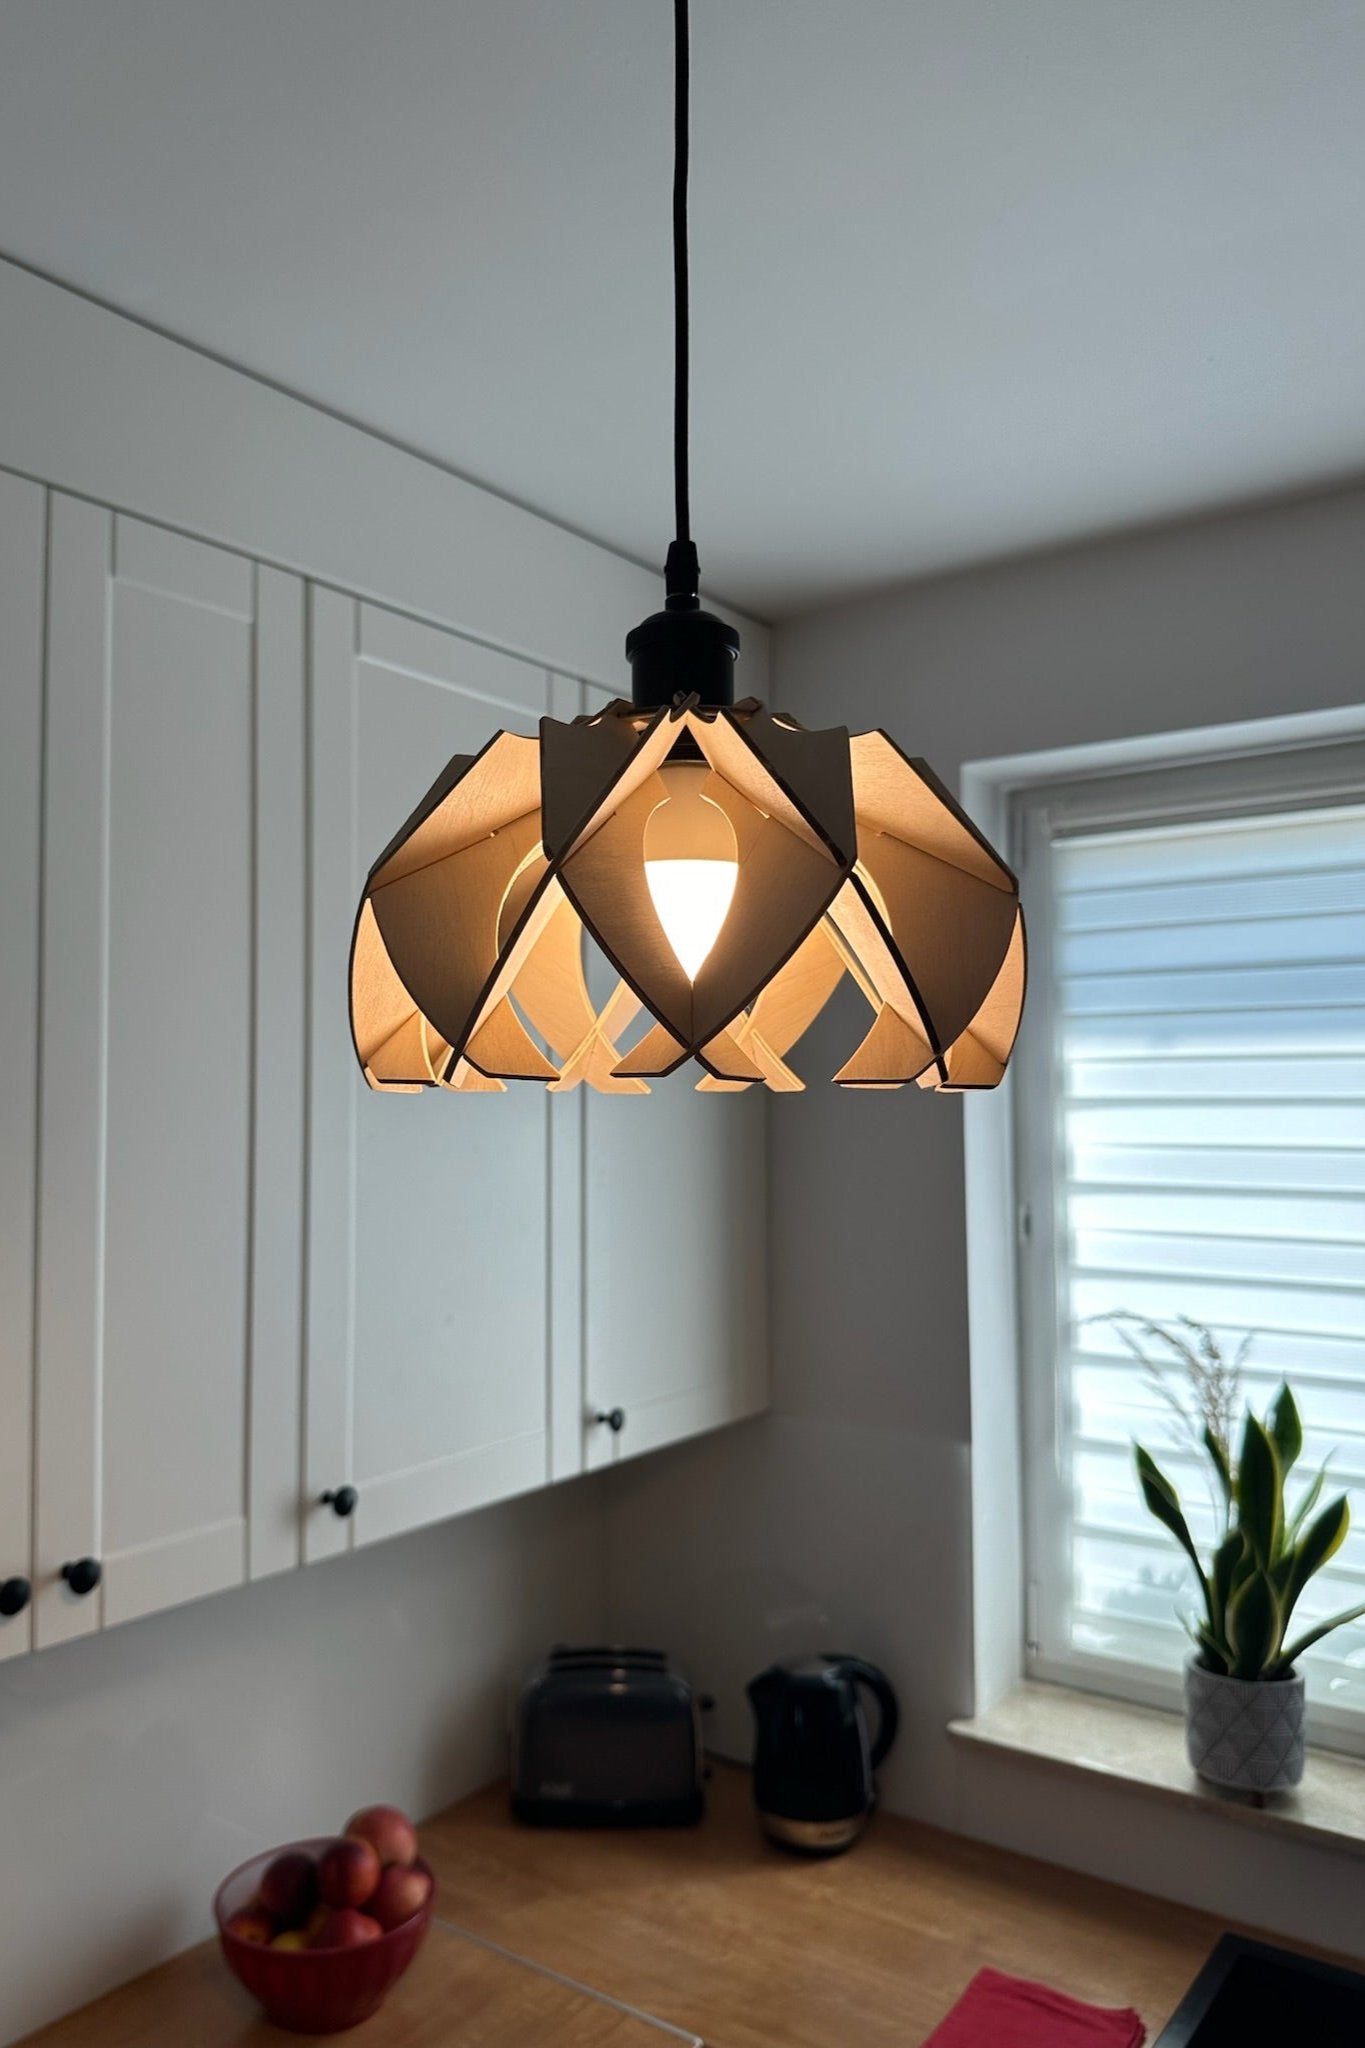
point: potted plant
(1243, 1693)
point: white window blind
(1190, 1141)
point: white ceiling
(970, 276)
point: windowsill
(1145, 1748)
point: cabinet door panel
(428, 1217)
(275, 1521)
(154, 1065)
(176, 1186)
(675, 1249)
(75, 955)
(22, 540)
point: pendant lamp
(731, 865)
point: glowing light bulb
(692, 901)
(690, 865)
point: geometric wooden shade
(467, 966)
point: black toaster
(607, 1737)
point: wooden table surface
(714, 1932)
(455, 1995)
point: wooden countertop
(455, 1995)
(712, 1931)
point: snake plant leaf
(1228, 1556)
(1196, 1630)
(1243, 1566)
(1286, 1430)
(1164, 1502)
(1254, 1626)
(1287, 1659)
(1260, 1492)
(1213, 1654)
(1218, 1452)
(1282, 1573)
(1322, 1540)
(1305, 1508)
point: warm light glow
(733, 873)
(692, 901)
(691, 862)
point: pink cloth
(1005, 2012)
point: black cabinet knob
(15, 1595)
(341, 1500)
(84, 1575)
(615, 1419)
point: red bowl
(315, 1990)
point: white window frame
(1010, 1232)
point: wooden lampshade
(731, 866)
(467, 964)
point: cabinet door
(173, 950)
(674, 1258)
(22, 516)
(429, 1242)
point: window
(1189, 1140)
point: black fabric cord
(681, 576)
(681, 85)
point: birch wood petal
(891, 1054)
(803, 779)
(504, 1049)
(469, 799)
(589, 768)
(979, 1057)
(725, 1060)
(380, 1005)
(854, 916)
(439, 924)
(656, 1054)
(894, 793)
(789, 1004)
(949, 929)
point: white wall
(844, 1519)
(107, 409)
(138, 1766)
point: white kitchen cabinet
(172, 1056)
(232, 1279)
(674, 1258)
(674, 1267)
(22, 521)
(488, 1273)
(431, 1252)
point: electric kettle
(813, 1762)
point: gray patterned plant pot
(1246, 1734)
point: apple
(252, 1925)
(345, 1928)
(292, 1938)
(348, 1871)
(289, 1889)
(399, 1894)
(390, 1833)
